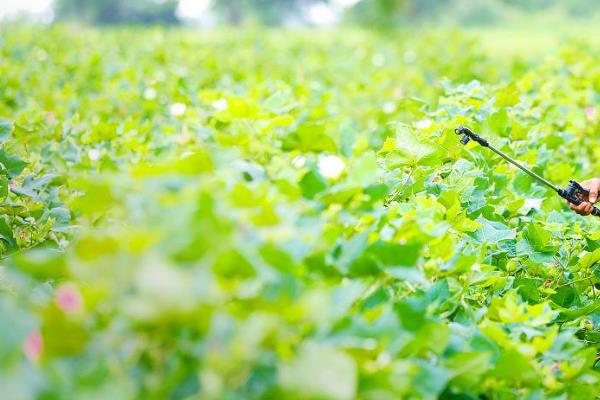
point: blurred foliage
(267, 214)
(385, 14)
(109, 12)
(391, 13)
(266, 12)
(375, 14)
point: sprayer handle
(586, 194)
(582, 194)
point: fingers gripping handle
(575, 194)
(596, 210)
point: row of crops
(268, 214)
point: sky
(36, 8)
(320, 14)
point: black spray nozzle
(467, 135)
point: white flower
(298, 161)
(150, 94)
(532, 203)
(220, 104)
(424, 124)
(177, 109)
(389, 107)
(94, 154)
(331, 166)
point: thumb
(594, 190)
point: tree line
(373, 13)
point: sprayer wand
(574, 193)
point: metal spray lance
(574, 193)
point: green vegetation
(110, 12)
(374, 14)
(268, 214)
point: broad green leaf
(498, 123)
(566, 296)
(12, 164)
(394, 254)
(528, 288)
(492, 231)
(514, 367)
(507, 96)
(431, 380)
(468, 367)
(412, 150)
(411, 313)
(589, 259)
(310, 137)
(312, 183)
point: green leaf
(411, 313)
(394, 254)
(514, 367)
(431, 380)
(492, 231)
(13, 165)
(62, 219)
(6, 128)
(537, 236)
(231, 264)
(566, 296)
(536, 243)
(498, 123)
(310, 137)
(589, 259)
(507, 96)
(6, 232)
(528, 288)
(467, 368)
(312, 183)
(412, 150)
(567, 315)
(3, 187)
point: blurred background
(196, 210)
(375, 14)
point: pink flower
(68, 298)
(33, 345)
(12, 185)
(50, 117)
(590, 113)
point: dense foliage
(289, 215)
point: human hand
(586, 207)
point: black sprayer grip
(575, 194)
